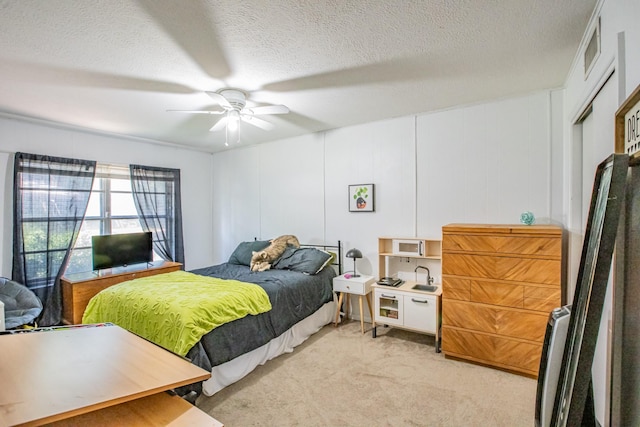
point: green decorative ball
(527, 218)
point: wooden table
(161, 409)
(59, 373)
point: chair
(21, 305)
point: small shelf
(388, 304)
(391, 314)
(413, 247)
(406, 247)
(411, 256)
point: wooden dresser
(499, 283)
(79, 288)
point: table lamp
(354, 253)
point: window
(111, 210)
(60, 203)
(50, 197)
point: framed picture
(627, 122)
(361, 198)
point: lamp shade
(354, 253)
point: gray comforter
(293, 296)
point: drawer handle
(388, 296)
(420, 301)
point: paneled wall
(236, 200)
(380, 153)
(482, 163)
(292, 188)
(300, 186)
(485, 163)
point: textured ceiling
(117, 66)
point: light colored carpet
(340, 377)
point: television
(117, 250)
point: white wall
(380, 153)
(264, 191)
(486, 163)
(236, 200)
(38, 138)
(292, 188)
(299, 186)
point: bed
(299, 289)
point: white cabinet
(360, 285)
(348, 284)
(420, 312)
(388, 307)
(406, 308)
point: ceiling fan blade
(56, 75)
(189, 24)
(219, 125)
(196, 111)
(262, 124)
(220, 100)
(267, 109)
(413, 69)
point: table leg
(347, 310)
(338, 309)
(361, 314)
(368, 297)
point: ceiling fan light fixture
(232, 104)
(233, 120)
(232, 129)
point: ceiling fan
(232, 103)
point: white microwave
(408, 247)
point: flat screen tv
(117, 250)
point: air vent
(592, 51)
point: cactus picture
(361, 198)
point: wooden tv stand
(79, 288)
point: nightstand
(360, 286)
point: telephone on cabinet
(390, 281)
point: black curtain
(156, 193)
(50, 197)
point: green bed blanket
(174, 310)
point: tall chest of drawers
(499, 283)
